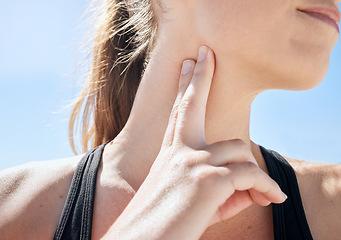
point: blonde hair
(123, 35)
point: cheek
(267, 33)
(224, 24)
(238, 24)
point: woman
(176, 160)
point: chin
(308, 66)
(299, 74)
(299, 80)
(309, 77)
(304, 84)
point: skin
(251, 55)
(207, 183)
(257, 56)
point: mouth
(328, 15)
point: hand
(191, 184)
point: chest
(254, 223)
(113, 195)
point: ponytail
(124, 36)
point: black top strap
(289, 219)
(76, 219)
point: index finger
(190, 125)
(186, 75)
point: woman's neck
(227, 116)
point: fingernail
(284, 196)
(186, 67)
(203, 50)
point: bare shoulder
(32, 197)
(320, 187)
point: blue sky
(38, 53)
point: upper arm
(11, 183)
(331, 200)
(320, 187)
(32, 197)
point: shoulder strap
(289, 218)
(76, 219)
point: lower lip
(323, 18)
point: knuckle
(191, 160)
(178, 157)
(243, 149)
(193, 166)
(205, 176)
(252, 168)
(220, 144)
(185, 160)
(195, 158)
(239, 143)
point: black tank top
(289, 219)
